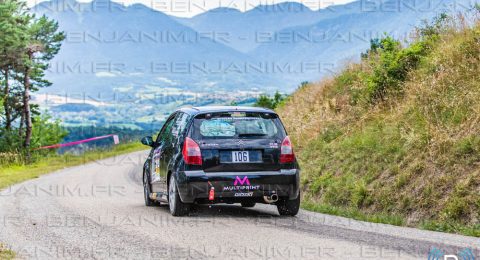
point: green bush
(391, 63)
(45, 131)
(269, 102)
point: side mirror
(148, 141)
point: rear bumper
(237, 186)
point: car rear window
(237, 125)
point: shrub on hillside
(390, 62)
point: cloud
(105, 74)
(168, 81)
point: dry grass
(5, 253)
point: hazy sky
(187, 8)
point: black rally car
(222, 155)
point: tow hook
(211, 193)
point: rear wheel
(146, 192)
(176, 206)
(288, 207)
(248, 204)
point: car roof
(207, 109)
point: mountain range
(271, 47)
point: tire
(288, 207)
(248, 204)
(146, 191)
(175, 204)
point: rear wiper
(251, 134)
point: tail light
(191, 152)
(286, 151)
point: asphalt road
(96, 211)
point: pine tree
(27, 44)
(44, 42)
(13, 39)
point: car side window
(180, 124)
(166, 131)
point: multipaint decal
(241, 184)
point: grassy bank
(395, 139)
(15, 173)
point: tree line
(277, 100)
(27, 44)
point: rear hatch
(239, 141)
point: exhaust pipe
(271, 198)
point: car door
(157, 177)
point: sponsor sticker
(241, 188)
(239, 181)
(243, 194)
(437, 254)
(155, 176)
(273, 145)
(210, 144)
(239, 114)
(241, 184)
